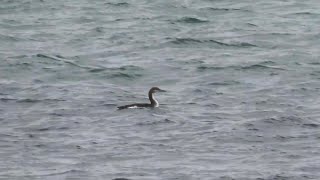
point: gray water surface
(242, 81)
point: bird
(153, 101)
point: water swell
(192, 41)
(29, 100)
(223, 83)
(224, 9)
(120, 4)
(122, 68)
(63, 59)
(128, 72)
(9, 38)
(266, 65)
(260, 66)
(191, 20)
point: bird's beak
(162, 90)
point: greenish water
(242, 81)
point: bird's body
(153, 101)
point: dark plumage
(153, 101)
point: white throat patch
(157, 104)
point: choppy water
(242, 80)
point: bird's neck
(153, 101)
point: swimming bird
(154, 102)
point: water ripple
(198, 41)
(191, 20)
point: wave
(260, 66)
(314, 63)
(118, 4)
(191, 20)
(10, 38)
(127, 72)
(316, 74)
(164, 121)
(284, 120)
(210, 41)
(63, 59)
(28, 100)
(224, 9)
(224, 83)
(291, 121)
(124, 75)
(122, 68)
(302, 13)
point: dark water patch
(97, 70)
(278, 177)
(316, 74)
(224, 83)
(192, 41)
(69, 172)
(254, 129)
(223, 9)
(7, 99)
(56, 114)
(314, 63)
(280, 34)
(190, 103)
(284, 120)
(255, 67)
(99, 29)
(283, 138)
(18, 57)
(304, 13)
(251, 24)
(2, 135)
(109, 104)
(40, 146)
(185, 41)
(260, 67)
(122, 68)
(193, 62)
(241, 44)
(5, 38)
(281, 122)
(51, 128)
(131, 67)
(198, 90)
(126, 72)
(120, 4)
(43, 129)
(311, 125)
(191, 20)
(148, 123)
(291, 121)
(38, 81)
(28, 100)
(301, 14)
(268, 63)
(63, 128)
(31, 136)
(212, 105)
(122, 75)
(67, 61)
